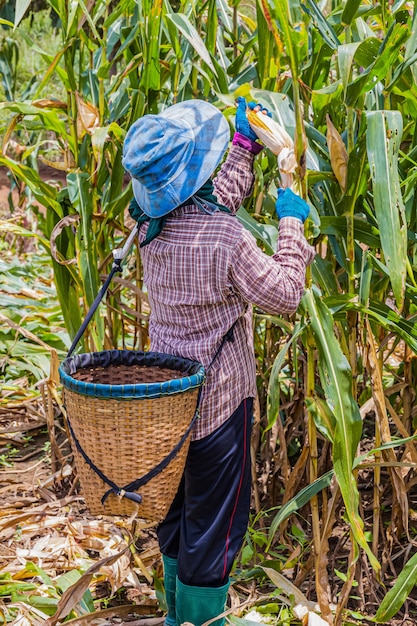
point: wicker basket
(127, 411)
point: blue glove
(242, 124)
(288, 204)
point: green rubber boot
(170, 584)
(200, 604)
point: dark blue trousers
(206, 524)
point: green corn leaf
(79, 192)
(151, 37)
(345, 56)
(280, 106)
(349, 11)
(101, 135)
(380, 67)
(9, 58)
(241, 621)
(220, 77)
(336, 380)
(225, 15)
(388, 445)
(87, 14)
(399, 593)
(273, 384)
(291, 38)
(48, 120)
(399, 76)
(267, 235)
(383, 138)
(377, 311)
(184, 25)
(324, 276)
(323, 416)
(357, 183)
(411, 45)
(364, 232)
(80, 195)
(44, 193)
(248, 74)
(212, 25)
(265, 43)
(9, 588)
(41, 603)
(367, 52)
(70, 578)
(33, 569)
(297, 502)
(325, 29)
(391, 320)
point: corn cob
(276, 138)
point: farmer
(203, 271)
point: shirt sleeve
(235, 178)
(273, 283)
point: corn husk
(87, 117)
(338, 154)
(276, 138)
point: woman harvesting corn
(203, 271)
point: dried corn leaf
(49, 104)
(73, 595)
(338, 154)
(56, 165)
(68, 220)
(58, 477)
(87, 118)
(316, 620)
(104, 616)
(289, 589)
(28, 615)
(397, 480)
(48, 548)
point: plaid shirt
(203, 271)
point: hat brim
(212, 136)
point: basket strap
(227, 337)
(90, 462)
(128, 491)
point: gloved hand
(288, 204)
(242, 124)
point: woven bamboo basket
(127, 411)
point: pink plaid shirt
(203, 271)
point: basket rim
(194, 374)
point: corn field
(334, 446)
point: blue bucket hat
(170, 155)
